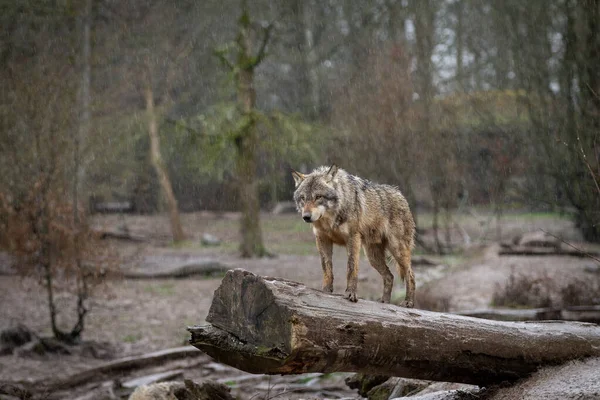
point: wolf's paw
(384, 299)
(407, 304)
(351, 295)
(328, 288)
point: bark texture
(273, 326)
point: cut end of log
(228, 349)
(273, 326)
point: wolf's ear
(332, 171)
(298, 177)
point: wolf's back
(385, 201)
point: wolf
(350, 211)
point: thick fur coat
(354, 212)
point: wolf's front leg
(325, 246)
(353, 247)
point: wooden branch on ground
(125, 364)
(204, 268)
(273, 326)
(121, 235)
(100, 372)
(573, 313)
(542, 251)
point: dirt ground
(139, 316)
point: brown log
(273, 326)
(573, 313)
(120, 234)
(543, 251)
(123, 364)
(201, 268)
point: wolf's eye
(318, 197)
(301, 198)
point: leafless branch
(570, 245)
(265, 41)
(352, 36)
(587, 164)
(220, 54)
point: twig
(221, 55)
(585, 161)
(570, 245)
(265, 40)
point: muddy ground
(131, 317)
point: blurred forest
(192, 105)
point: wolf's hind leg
(325, 247)
(376, 256)
(401, 253)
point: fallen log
(208, 268)
(107, 369)
(113, 207)
(122, 364)
(273, 326)
(543, 251)
(589, 313)
(120, 235)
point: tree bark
(274, 326)
(247, 142)
(159, 166)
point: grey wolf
(350, 211)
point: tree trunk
(79, 171)
(448, 226)
(160, 168)
(246, 143)
(306, 14)
(588, 207)
(498, 214)
(274, 326)
(459, 40)
(85, 100)
(396, 22)
(435, 226)
(311, 63)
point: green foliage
(205, 144)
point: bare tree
(565, 122)
(38, 223)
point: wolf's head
(315, 193)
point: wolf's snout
(306, 217)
